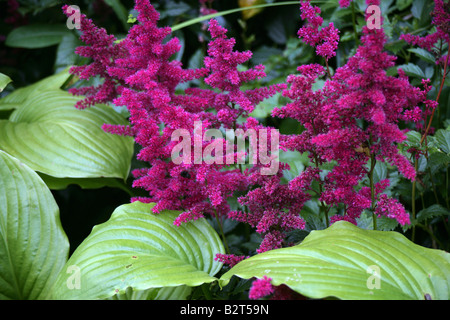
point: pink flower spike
(261, 288)
(229, 259)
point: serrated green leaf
(340, 262)
(435, 210)
(424, 55)
(141, 250)
(412, 70)
(33, 245)
(53, 137)
(413, 138)
(438, 160)
(380, 171)
(443, 140)
(365, 221)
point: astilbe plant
(138, 74)
(434, 43)
(352, 122)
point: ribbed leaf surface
(33, 245)
(53, 137)
(141, 250)
(347, 262)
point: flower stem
(413, 202)
(328, 69)
(438, 96)
(354, 24)
(223, 13)
(227, 249)
(373, 162)
(446, 188)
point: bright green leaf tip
(4, 80)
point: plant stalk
(354, 24)
(438, 96)
(373, 162)
(227, 249)
(413, 202)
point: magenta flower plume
(325, 39)
(441, 20)
(350, 123)
(140, 75)
(102, 50)
(353, 120)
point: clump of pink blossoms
(352, 121)
(441, 20)
(139, 74)
(325, 39)
(261, 288)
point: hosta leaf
(53, 137)
(33, 245)
(18, 96)
(347, 262)
(141, 250)
(4, 80)
(166, 293)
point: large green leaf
(347, 262)
(53, 137)
(33, 245)
(141, 250)
(36, 36)
(16, 98)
